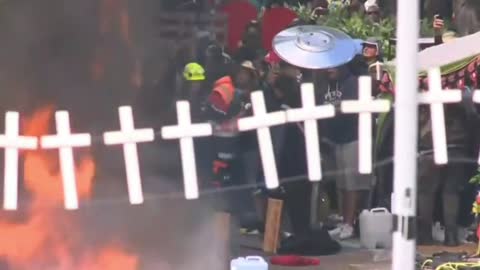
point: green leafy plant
(304, 12)
(476, 178)
(476, 206)
(360, 27)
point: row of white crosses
(185, 131)
(65, 141)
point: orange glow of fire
(114, 15)
(46, 239)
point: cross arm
(195, 130)
(476, 96)
(447, 96)
(260, 121)
(120, 137)
(374, 106)
(304, 114)
(73, 140)
(20, 142)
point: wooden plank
(222, 230)
(222, 223)
(272, 226)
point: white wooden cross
(476, 99)
(262, 121)
(128, 136)
(436, 97)
(65, 141)
(186, 131)
(378, 69)
(309, 114)
(12, 142)
(365, 106)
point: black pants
(449, 181)
(236, 195)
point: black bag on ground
(315, 243)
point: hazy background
(47, 52)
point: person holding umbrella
(327, 52)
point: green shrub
(359, 26)
(476, 178)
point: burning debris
(82, 57)
(115, 20)
(45, 237)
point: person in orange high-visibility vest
(227, 102)
(220, 100)
(225, 105)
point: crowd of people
(218, 86)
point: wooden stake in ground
(222, 230)
(272, 226)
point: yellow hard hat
(194, 72)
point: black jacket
(458, 124)
(343, 128)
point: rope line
(150, 198)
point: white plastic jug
(376, 228)
(249, 263)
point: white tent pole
(406, 119)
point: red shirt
(240, 13)
(274, 21)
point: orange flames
(114, 15)
(46, 239)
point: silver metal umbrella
(315, 47)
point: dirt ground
(352, 256)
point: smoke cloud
(50, 54)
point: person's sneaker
(286, 234)
(464, 235)
(346, 232)
(342, 232)
(335, 231)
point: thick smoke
(47, 53)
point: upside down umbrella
(315, 47)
